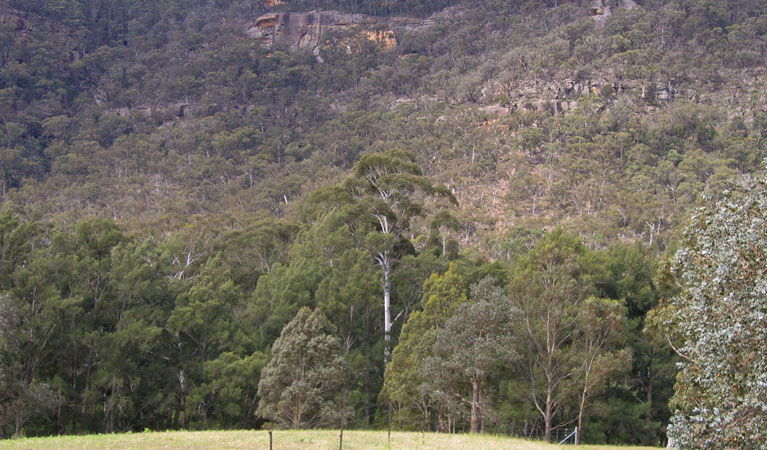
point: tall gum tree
(387, 188)
(549, 285)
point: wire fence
(559, 435)
(562, 435)
(456, 422)
(489, 422)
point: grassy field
(283, 440)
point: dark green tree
(601, 330)
(478, 337)
(301, 385)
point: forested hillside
(181, 177)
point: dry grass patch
(284, 440)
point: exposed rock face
(629, 4)
(385, 38)
(402, 24)
(306, 30)
(561, 96)
(602, 9)
(496, 110)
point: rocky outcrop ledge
(307, 29)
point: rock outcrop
(601, 10)
(557, 97)
(307, 30)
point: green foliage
(175, 333)
(99, 335)
(222, 161)
(549, 287)
(350, 295)
(478, 336)
(716, 321)
(300, 386)
(572, 344)
(442, 295)
(632, 271)
(228, 397)
(598, 341)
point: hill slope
(611, 118)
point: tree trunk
(481, 417)
(548, 416)
(386, 267)
(649, 389)
(475, 406)
(581, 407)
(182, 399)
(297, 414)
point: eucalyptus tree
(389, 187)
(548, 286)
(378, 202)
(716, 324)
(477, 337)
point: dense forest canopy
(181, 178)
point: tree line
(105, 331)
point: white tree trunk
(386, 267)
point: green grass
(304, 439)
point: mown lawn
(283, 440)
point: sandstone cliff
(307, 29)
(602, 9)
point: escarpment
(306, 30)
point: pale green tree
(442, 294)
(716, 324)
